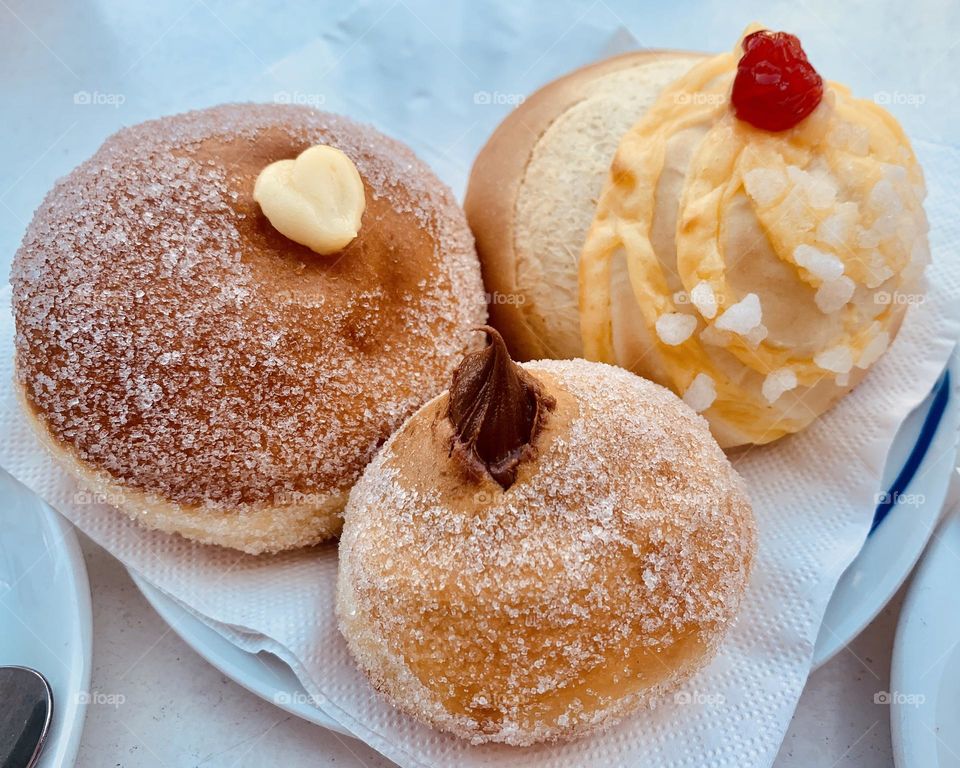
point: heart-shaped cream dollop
(316, 200)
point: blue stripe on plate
(912, 464)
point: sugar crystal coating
(765, 185)
(742, 317)
(675, 327)
(704, 299)
(600, 580)
(822, 265)
(777, 382)
(170, 338)
(823, 225)
(701, 393)
(874, 349)
(833, 295)
(837, 359)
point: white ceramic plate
(915, 484)
(920, 465)
(924, 693)
(45, 611)
(262, 673)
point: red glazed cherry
(776, 87)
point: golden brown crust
(171, 342)
(254, 531)
(603, 577)
(494, 184)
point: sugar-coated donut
(216, 378)
(593, 568)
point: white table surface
(141, 60)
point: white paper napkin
(813, 495)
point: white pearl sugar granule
(837, 359)
(701, 393)
(704, 299)
(833, 295)
(742, 317)
(675, 328)
(777, 382)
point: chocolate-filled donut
(531, 584)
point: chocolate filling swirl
(497, 409)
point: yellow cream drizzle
(728, 151)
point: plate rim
(173, 614)
(826, 647)
(84, 602)
(910, 624)
(64, 738)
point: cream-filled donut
(211, 375)
(758, 272)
